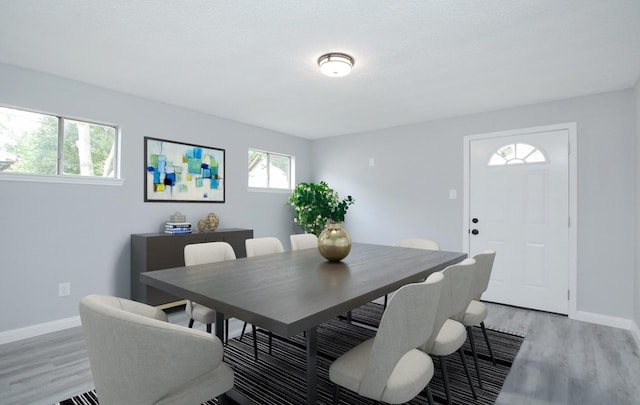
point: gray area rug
(280, 378)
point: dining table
(292, 292)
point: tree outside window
(33, 143)
(269, 170)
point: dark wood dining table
(291, 292)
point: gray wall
(80, 233)
(406, 193)
(637, 186)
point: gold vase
(334, 243)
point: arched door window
(517, 153)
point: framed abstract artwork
(182, 172)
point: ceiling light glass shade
(335, 64)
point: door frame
(572, 129)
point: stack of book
(175, 228)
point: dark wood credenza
(156, 251)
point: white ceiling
(255, 61)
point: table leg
(235, 396)
(220, 326)
(312, 365)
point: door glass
(517, 153)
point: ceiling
(256, 61)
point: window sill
(269, 190)
(43, 178)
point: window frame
(521, 161)
(268, 189)
(60, 177)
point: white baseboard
(235, 328)
(635, 331)
(605, 320)
(39, 329)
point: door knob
(475, 231)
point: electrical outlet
(64, 289)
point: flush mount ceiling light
(335, 64)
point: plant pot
(334, 243)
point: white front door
(519, 206)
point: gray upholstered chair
(303, 241)
(389, 367)
(202, 253)
(259, 247)
(449, 335)
(476, 311)
(138, 358)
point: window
(517, 153)
(41, 144)
(270, 170)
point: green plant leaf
(315, 203)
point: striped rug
(280, 378)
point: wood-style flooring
(563, 361)
(560, 362)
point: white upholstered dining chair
(303, 241)
(260, 247)
(476, 312)
(418, 243)
(414, 243)
(202, 253)
(263, 246)
(389, 367)
(138, 358)
(448, 334)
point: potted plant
(319, 210)
(316, 203)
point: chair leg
(466, 370)
(255, 342)
(486, 339)
(349, 317)
(243, 329)
(191, 323)
(208, 328)
(222, 400)
(386, 296)
(445, 378)
(336, 394)
(427, 391)
(475, 354)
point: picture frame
(183, 172)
